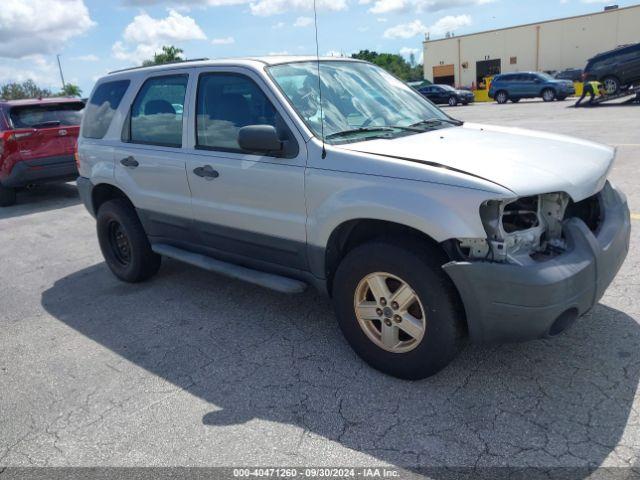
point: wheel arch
(103, 192)
(352, 233)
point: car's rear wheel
(124, 243)
(502, 97)
(7, 196)
(453, 101)
(611, 85)
(397, 309)
(548, 94)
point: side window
(156, 113)
(227, 102)
(101, 108)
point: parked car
(446, 94)
(573, 74)
(616, 69)
(421, 229)
(37, 142)
(517, 85)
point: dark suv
(517, 85)
(616, 69)
(37, 142)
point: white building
(544, 46)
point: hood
(523, 161)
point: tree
(169, 54)
(70, 90)
(392, 63)
(26, 89)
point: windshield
(545, 76)
(359, 100)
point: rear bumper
(50, 169)
(85, 188)
(506, 302)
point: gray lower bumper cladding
(505, 302)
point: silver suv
(423, 230)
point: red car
(37, 143)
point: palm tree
(169, 54)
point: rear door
(46, 130)
(149, 161)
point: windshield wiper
(436, 121)
(387, 128)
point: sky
(94, 37)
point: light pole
(60, 68)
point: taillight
(6, 139)
(75, 154)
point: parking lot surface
(195, 369)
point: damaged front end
(545, 261)
(526, 229)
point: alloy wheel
(389, 312)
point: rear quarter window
(47, 115)
(102, 107)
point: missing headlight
(521, 214)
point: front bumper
(506, 302)
(50, 169)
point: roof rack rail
(167, 63)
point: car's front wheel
(124, 243)
(7, 196)
(502, 97)
(548, 95)
(397, 309)
(453, 101)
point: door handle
(206, 172)
(129, 162)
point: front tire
(124, 243)
(397, 308)
(7, 196)
(453, 101)
(548, 95)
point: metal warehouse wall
(550, 45)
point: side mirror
(259, 138)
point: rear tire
(611, 85)
(502, 97)
(548, 95)
(434, 307)
(124, 243)
(7, 196)
(453, 101)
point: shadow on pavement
(255, 354)
(41, 198)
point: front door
(149, 163)
(246, 206)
